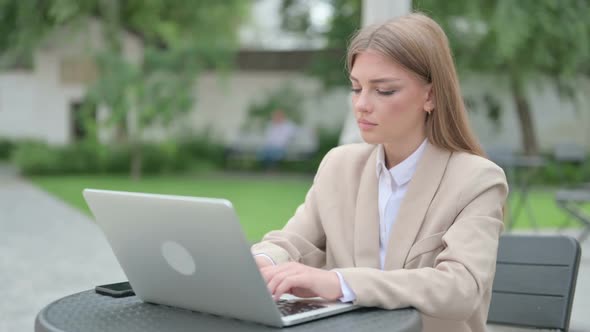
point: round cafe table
(88, 311)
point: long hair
(419, 44)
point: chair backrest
(535, 281)
(567, 155)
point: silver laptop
(191, 253)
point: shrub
(33, 157)
(118, 159)
(82, 157)
(163, 158)
(39, 158)
(201, 149)
(6, 149)
(560, 173)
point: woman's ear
(429, 103)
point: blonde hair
(419, 44)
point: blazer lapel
(366, 220)
(412, 211)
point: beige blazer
(441, 255)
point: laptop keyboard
(290, 307)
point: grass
(262, 204)
(543, 210)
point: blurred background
(241, 99)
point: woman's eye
(355, 90)
(386, 92)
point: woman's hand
(302, 281)
(262, 262)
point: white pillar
(373, 11)
(379, 11)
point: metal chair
(572, 201)
(571, 196)
(520, 171)
(535, 282)
(571, 154)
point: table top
(88, 311)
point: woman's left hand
(302, 281)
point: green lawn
(543, 209)
(262, 204)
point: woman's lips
(366, 125)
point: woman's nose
(362, 103)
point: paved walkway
(49, 250)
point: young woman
(412, 217)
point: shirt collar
(402, 173)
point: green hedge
(557, 173)
(6, 148)
(38, 158)
(197, 153)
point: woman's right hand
(262, 261)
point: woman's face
(389, 102)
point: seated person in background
(278, 135)
(413, 218)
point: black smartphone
(120, 289)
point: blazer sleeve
(303, 238)
(463, 272)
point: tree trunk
(121, 133)
(134, 133)
(136, 161)
(523, 110)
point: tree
(180, 39)
(328, 66)
(523, 40)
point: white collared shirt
(393, 184)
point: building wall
(17, 91)
(32, 106)
(222, 103)
(37, 104)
